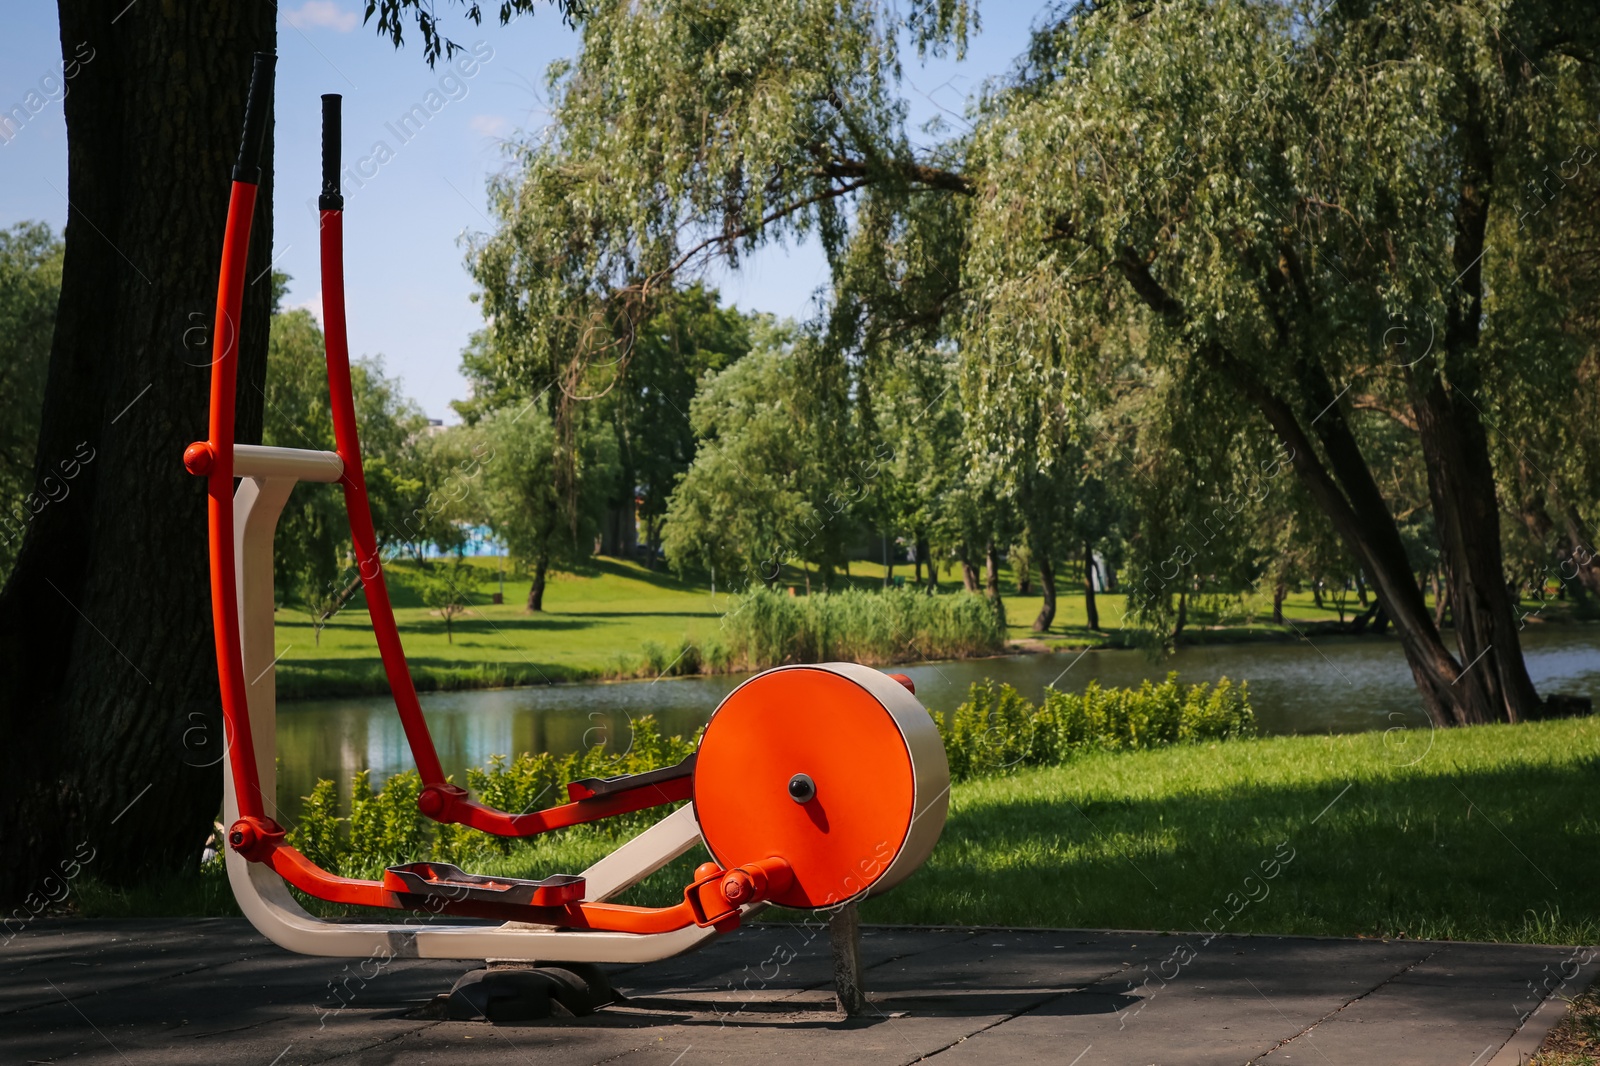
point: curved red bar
(219, 507)
(341, 397)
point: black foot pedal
(525, 993)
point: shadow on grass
(1502, 855)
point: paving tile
(215, 993)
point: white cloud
(489, 125)
(314, 305)
(323, 13)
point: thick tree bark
(991, 570)
(1279, 592)
(111, 712)
(1467, 518)
(1088, 586)
(536, 590)
(1047, 584)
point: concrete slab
(214, 992)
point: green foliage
(385, 828)
(30, 287)
(547, 485)
(777, 478)
(311, 564)
(447, 586)
(765, 628)
(997, 730)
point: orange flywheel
(836, 769)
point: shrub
(997, 728)
(765, 628)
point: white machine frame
(266, 478)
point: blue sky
(408, 293)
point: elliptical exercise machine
(811, 786)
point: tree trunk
(106, 654)
(1493, 682)
(1361, 588)
(991, 570)
(1316, 592)
(1279, 592)
(536, 590)
(1183, 615)
(1441, 601)
(1047, 583)
(1579, 561)
(969, 571)
(1346, 492)
(1088, 586)
(925, 554)
(1466, 511)
(888, 564)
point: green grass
(594, 625)
(1484, 833)
(614, 619)
(1488, 835)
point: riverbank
(617, 620)
(1482, 834)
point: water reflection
(1337, 685)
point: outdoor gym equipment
(812, 785)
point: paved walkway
(213, 992)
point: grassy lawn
(595, 624)
(1476, 834)
(598, 623)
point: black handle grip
(331, 199)
(257, 113)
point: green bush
(997, 729)
(764, 627)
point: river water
(1335, 685)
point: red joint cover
(255, 838)
(756, 880)
(199, 457)
(439, 801)
(906, 681)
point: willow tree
(1271, 193)
(1284, 203)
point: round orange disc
(856, 772)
